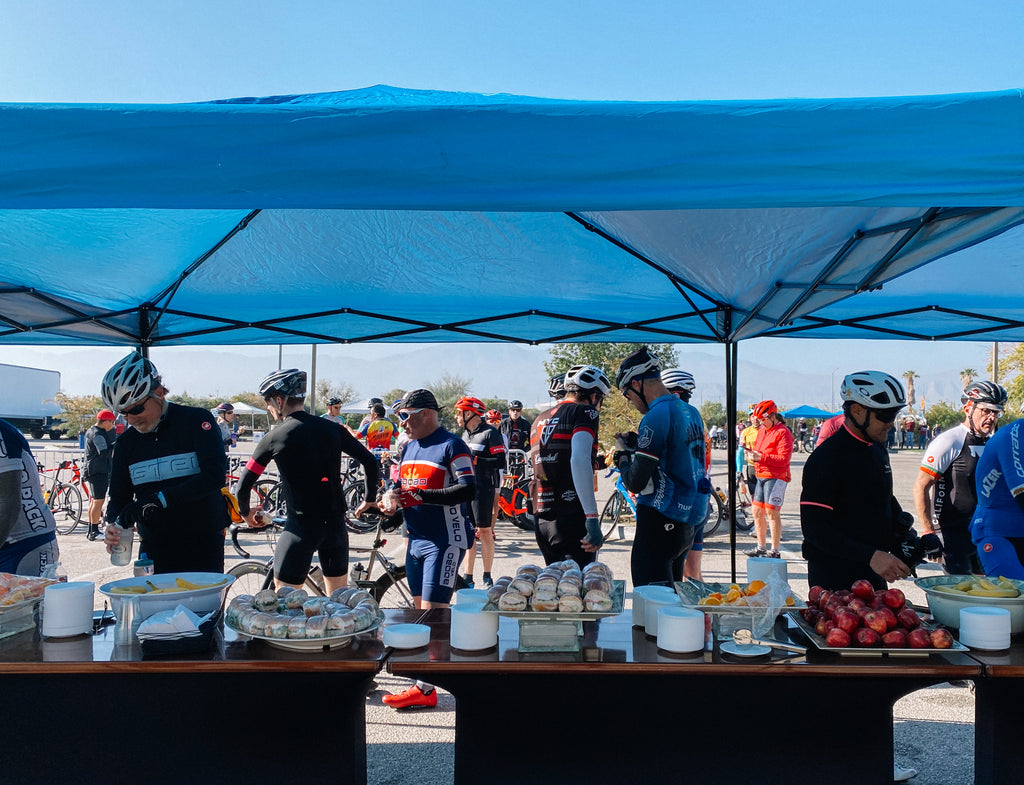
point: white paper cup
(67, 609)
(473, 629)
(466, 596)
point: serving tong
(746, 637)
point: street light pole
(832, 390)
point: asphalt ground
(933, 728)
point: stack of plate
(985, 628)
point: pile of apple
(865, 618)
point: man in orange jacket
(773, 450)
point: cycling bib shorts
(770, 493)
(97, 485)
(432, 569)
(297, 543)
(29, 556)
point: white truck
(27, 400)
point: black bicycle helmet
(374, 401)
(514, 404)
(290, 383)
(639, 365)
(556, 387)
(985, 392)
(225, 407)
(378, 410)
(417, 399)
(334, 400)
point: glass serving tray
(691, 592)
(618, 594)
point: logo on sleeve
(645, 437)
(206, 426)
(987, 547)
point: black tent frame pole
(731, 359)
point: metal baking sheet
(618, 599)
(819, 641)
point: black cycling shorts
(97, 486)
(483, 505)
(660, 546)
(302, 538)
(560, 539)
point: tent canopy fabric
(422, 216)
(808, 411)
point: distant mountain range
(497, 370)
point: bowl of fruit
(947, 594)
(200, 592)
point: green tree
(605, 356)
(325, 389)
(77, 411)
(712, 413)
(203, 402)
(967, 375)
(392, 395)
(944, 415)
(1011, 371)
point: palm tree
(911, 396)
(967, 376)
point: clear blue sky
(144, 51)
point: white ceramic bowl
(946, 607)
(200, 601)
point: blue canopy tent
(360, 216)
(807, 411)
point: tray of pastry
(617, 596)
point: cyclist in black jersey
(944, 493)
(489, 459)
(166, 473)
(516, 428)
(307, 451)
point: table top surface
(615, 645)
(27, 652)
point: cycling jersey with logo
(952, 458)
(672, 434)
(517, 432)
(552, 489)
(1000, 479)
(15, 456)
(776, 447)
(435, 462)
(488, 450)
(378, 434)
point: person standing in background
(99, 448)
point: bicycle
(615, 509)
(63, 498)
(389, 589)
(514, 503)
(354, 488)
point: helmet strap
(861, 426)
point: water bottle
(121, 554)
(359, 573)
(143, 566)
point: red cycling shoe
(412, 698)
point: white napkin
(180, 621)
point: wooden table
(621, 710)
(999, 700)
(86, 711)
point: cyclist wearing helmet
(664, 464)
(681, 384)
(998, 525)
(851, 521)
(334, 404)
(489, 459)
(228, 424)
(563, 445)
(166, 473)
(516, 428)
(772, 453)
(99, 447)
(307, 451)
(944, 496)
(436, 485)
(493, 417)
(379, 431)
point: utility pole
(995, 362)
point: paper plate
(744, 649)
(406, 636)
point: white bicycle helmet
(639, 364)
(131, 380)
(678, 379)
(587, 377)
(290, 383)
(873, 390)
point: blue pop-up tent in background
(807, 412)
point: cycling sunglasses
(405, 414)
(137, 409)
(887, 415)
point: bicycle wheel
(714, 515)
(391, 591)
(354, 495)
(66, 505)
(609, 519)
(268, 495)
(744, 519)
(251, 576)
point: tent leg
(731, 359)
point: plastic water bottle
(144, 566)
(121, 554)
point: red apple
(867, 637)
(895, 599)
(877, 603)
(831, 607)
(874, 620)
(847, 620)
(889, 616)
(856, 603)
(918, 638)
(807, 613)
(863, 589)
(941, 639)
(908, 619)
(844, 595)
(819, 626)
(862, 612)
(829, 626)
(814, 595)
(825, 596)
(837, 639)
(895, 639)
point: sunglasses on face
(886, 415)
(405, 414)
(135, 410)
(997, 413)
